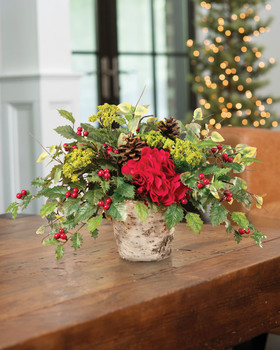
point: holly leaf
(222, 172)
(77, 240)
(173, 215)
(70, 222)
(240, 219)
(94, 234)
(257, 236)
(105, 186)
(142, 211)
(13, 208)
(59, 251)
(237, 167)
(70, 206)
(218, 214)
(206, 144)
(211, 169)
(124, 189)
(94, 196)
(93, 223)
(237, 237)
(194, 222)
(53, 192)
(41, 230)
(39, 182)
(84, 212)
(48, 208)
(66, 131)
(50, 241)
(66, 115)
(27, 199)
(118, 211)
(215, 136)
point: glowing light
(223, 65)
(205, 29)
(234, 17)
(228, 33)
(248, 111)
(249, 69)
(241, 30)
(228, 71)
(225, 83)
(247, 38)
(222, 77)
(220, 28)
(233, 70)
(242, 15)
(269, 101)
(261, 64)
(256, 124)
(258, 54)
(202, 101)
(215, 50)
(211, 59)
(229, 105)
(238, 105)
(257, 18)
(262, 122)
(221, 21)
(275, 124)
(218, 126)
(261, 108)
(258, 103)
(235, 77)
(214, 86)
(189, 43)
(207, 105)
(224, 114)
(218, 40)
(212, 121)
(267, 114)
(208, 6)
(240, 88)
(272, 60)
(244, 121)
(237, 59)
(221, 99)
(204, 132)
(243, 48)
(206, 42)
(239, 113)
(200, 89)
(196, 53)
(197, 79)
(248, 94)
(256, 32)
(203, 4)
(268, 7)
(229, 115)
(262, 29)
(263, 114)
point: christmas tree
(227, 68)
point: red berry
(75, 190)
(201, 176)
(104, 145)
(61, 230)
(106, 206)
(63, 236)
(138, 128)
(65, 145)
(24, 192)
(140, 190)
(67, 194)
(206, 182)
(228, 199)
(75, 147)
(109, 151)
(108, 200)
(110, 148)
(56, 235)
(248, 231)
(213, 149)
(225, 156)
(107, 175)
(101, 203)
(226, 192)
(188, 195)
(101, 173)
(230, 159)
(66, 149)
(184, 201)
(74, 195)
(79, 133)
(19, 195)
(241, 231)
(116, 151)
(106, 170)
(220, 147)
(79, 128)
(199, 185)
(85, 133)
(229, 195)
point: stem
(140, 96)
(58, 160)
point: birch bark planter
(138, 241)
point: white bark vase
(138, 241)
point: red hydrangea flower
(155, 172)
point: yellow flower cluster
(179, 149)
(76, 160)
(106, 115)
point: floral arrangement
(130, 155)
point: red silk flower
(155, 172)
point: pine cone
(169, 128)
(132, 149)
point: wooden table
(211, 294)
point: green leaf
(218, 214)
(125, 108)
(66, 115)
(94, 234)
(42, 157)
(211, 169)
(57, 174)
(13, 208)
(195, 128)
(39, 182)
(77, 240)
(194, 222)
(186, 177)
(59, 251)
(237, 237)
(26, 200)
(48, 208)
(140, 110)
(133, 124)
(257, 236)
(70, 206)
(41, 230)
(118, 211)
(206, 144)
(84, 212)
(142, 211)
(197, 114)
(93, 223)
(215, 136)
(53, 192)
(66, 131)
(124, 189)
(105, 185)
(121, 141)
(218, 184)
(94, 196)
(214, 191)
(222, 172)
(240, 219)
(238, 168)
(70, 222)
(173, 215)
(229, 228)
(50, 241)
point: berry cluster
(205, 181)
(104, 173)
(74, 193)
(184, 201)
(80, 131)
(228, 195)
(110, 149)
(225, 156)
(241, 231)
(67, 148)
(106, 205)
(21, 194)
(61, 234)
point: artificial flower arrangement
(131, 156)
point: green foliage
(48, 208)
(240, 219)
(173, 215)
(39, 182)
(67, 115)
(123, 190)
(66, 131)
(84, 212)
(50, 241)
(93, 223)
(194, 222)
(118, 211)
(94, 196)
(94, 233)
(77, 240)
(59, 251)
(13, 208)
(142, 211)
(106, 115)
(71, 206)
(218, 214)
(53, 192)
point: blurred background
(77, 54)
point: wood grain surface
(210, 294)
